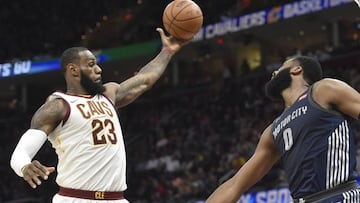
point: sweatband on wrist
(28, 145)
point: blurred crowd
(43, 29)
(197, 140)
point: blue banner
(30, 67)
(278, 195)
(267, 16)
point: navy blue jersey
(316, 145)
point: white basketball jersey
(89, 144)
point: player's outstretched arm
(43, 122)
(265, 156)
(337, 95)
(130, 89)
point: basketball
(182, 19)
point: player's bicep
(265, 156)
(130, 89)
(49, 115)
(266, 153)
(348, 100)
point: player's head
(311, 68)
(80, 66)
(281, 79)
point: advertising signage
(267, 16)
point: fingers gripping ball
(182, 19)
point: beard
(90, 86)
(278, 84)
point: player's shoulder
(50, 113)
(327, 90)
(56, 100)
(111, 85)
(328, 84)
(111, 89)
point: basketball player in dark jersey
(312, 137)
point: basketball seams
(177, 34)
(183, 29)
(169, 19)
(171, 11)
(192, 18)
(188, 24)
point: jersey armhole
(68, 111)
(110, 100)
(57, 95)
(317, 106)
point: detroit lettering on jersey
(295, 114)
(316, 145)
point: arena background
(202, 120)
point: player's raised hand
(170, 43)
(33, 171)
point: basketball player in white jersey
(83, 127)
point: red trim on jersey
(94, 195)
(111, 101)
(302, 97)
(88, 96)
(68, 111)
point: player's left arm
(264, 158)
(127, 91)
(338, 95)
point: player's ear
(74, 69)
(296, 70)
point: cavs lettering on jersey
(316, 145)
(90, 145)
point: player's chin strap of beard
(358, 2)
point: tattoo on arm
(130, 89)
(155, 68)
(49, 115)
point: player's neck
(76, 91)
(291, 94)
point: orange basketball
(182, 19)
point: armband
(28, 145)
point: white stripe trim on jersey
(337, 167)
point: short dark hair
(311, 67)
(70, 55)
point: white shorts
(64, 199)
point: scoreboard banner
(267, 16)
